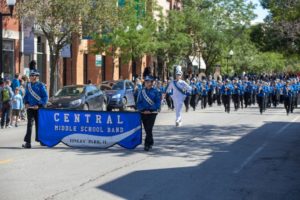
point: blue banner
(90, 128)
(66, 51)
(28, 40)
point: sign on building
(66, 51)
(99, 61)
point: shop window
(8, 58)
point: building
(83, 65)
(24, 41)
(12, 43)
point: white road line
(259, 149)
(284, 127)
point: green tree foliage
(59, 20)
(131, 34)
(244, 53)
(214, 25)
(287, 10)
(268, 62)
(172, 40)
(284, 20)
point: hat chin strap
(34, 79)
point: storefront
(8, 58)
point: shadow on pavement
(271, 174)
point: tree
(244, 53)
(172, 40)
(284, 20)
(59, 20)
(214, 25)
(268, 62)
(131, 35)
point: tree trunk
(113, 63)
(53, 68)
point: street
(212, 156)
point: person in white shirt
(180, 90)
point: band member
(204, 94)
(248, 93)
(261, 95)
(218, 93)
(180, 90)
(236, 95)
(281, 96)
(226, 91)
(288, 97)
(148, 103)
(195, 94)
(254, 93)
(211, 93)
(242, 92)
(295, 87)
(35, 97)
(275, 89)
(168, 96)
(187, 100)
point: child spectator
(22, 93)
(17, 106)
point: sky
(259, 11)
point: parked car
(121, 95)
(109, 83)
(104, 87)
(79, 97)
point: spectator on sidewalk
(15, 82)
(6, 95)
(22, 93)
(17, 105)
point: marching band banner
(89, 128)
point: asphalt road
(213, 156)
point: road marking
(259, 149)
(284, 127)
(250, 158)
(5, 161)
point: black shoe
(147, 148)
(26, 145)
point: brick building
(12, 43)
(23, 42)
(82, 66)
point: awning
(195, 62)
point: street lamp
(11, 4)
(230, 54)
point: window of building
(8, 58)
